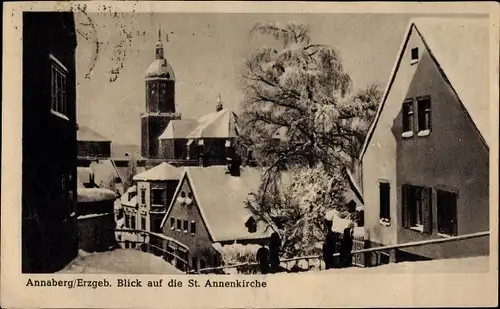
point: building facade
(425, 162)
(92, 145)
(208, 208)
(160, 102)
(49, 231)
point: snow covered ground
(119, 261)
(462, 265)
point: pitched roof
(179, 129)
(221, 124)
(460, 48)
(103, 171)
(221, 201)
(89, 135)
(161, 172)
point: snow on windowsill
(417, 228)
(385, 222)
(413, 61)
(407, 134)
(444, 235)
(424, 133)
(62, 116)
(93, 216)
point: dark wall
(94, 149)
(160, 96)
(151, 128)
(453, 157)
(49, 235)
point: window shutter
(405, 206)
(427, 209)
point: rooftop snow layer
(86, 195)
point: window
(193, 227)
(58, 87)
(172, 223)
(424, 116)
(186, 226)
(179, 224)
(143, 196)
(414, 55)
(384, 204)
(127, 221)
(194, 262)
(447, 213)
(132, 222)
(417, 208)
(143, 223)
(157, 197)
(156, 225)
(408, 118)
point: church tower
(160, 102)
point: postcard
(249, 154)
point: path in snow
(120, 261)
(458, 266)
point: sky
(206, 51)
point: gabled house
(209, 208)
(425, 161)
(155, 190)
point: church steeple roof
(160, 68)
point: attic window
(414, 55)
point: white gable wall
(379, 160)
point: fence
(285, 263)
(175, 253)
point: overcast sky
(206, 52)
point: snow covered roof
(221, 201)
(86, 134)
(460, 47)
(221, 124)
(83, 174)
(95, 195)
(179, 129)
(125, 197)
(120, 261)
(104, 171)
(161, 172)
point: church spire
(159, 45)
(218, 106)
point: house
(155, 190)
(425, 161)
(208, 207)
(91, 144)
(49, 177)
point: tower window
(168, 75)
